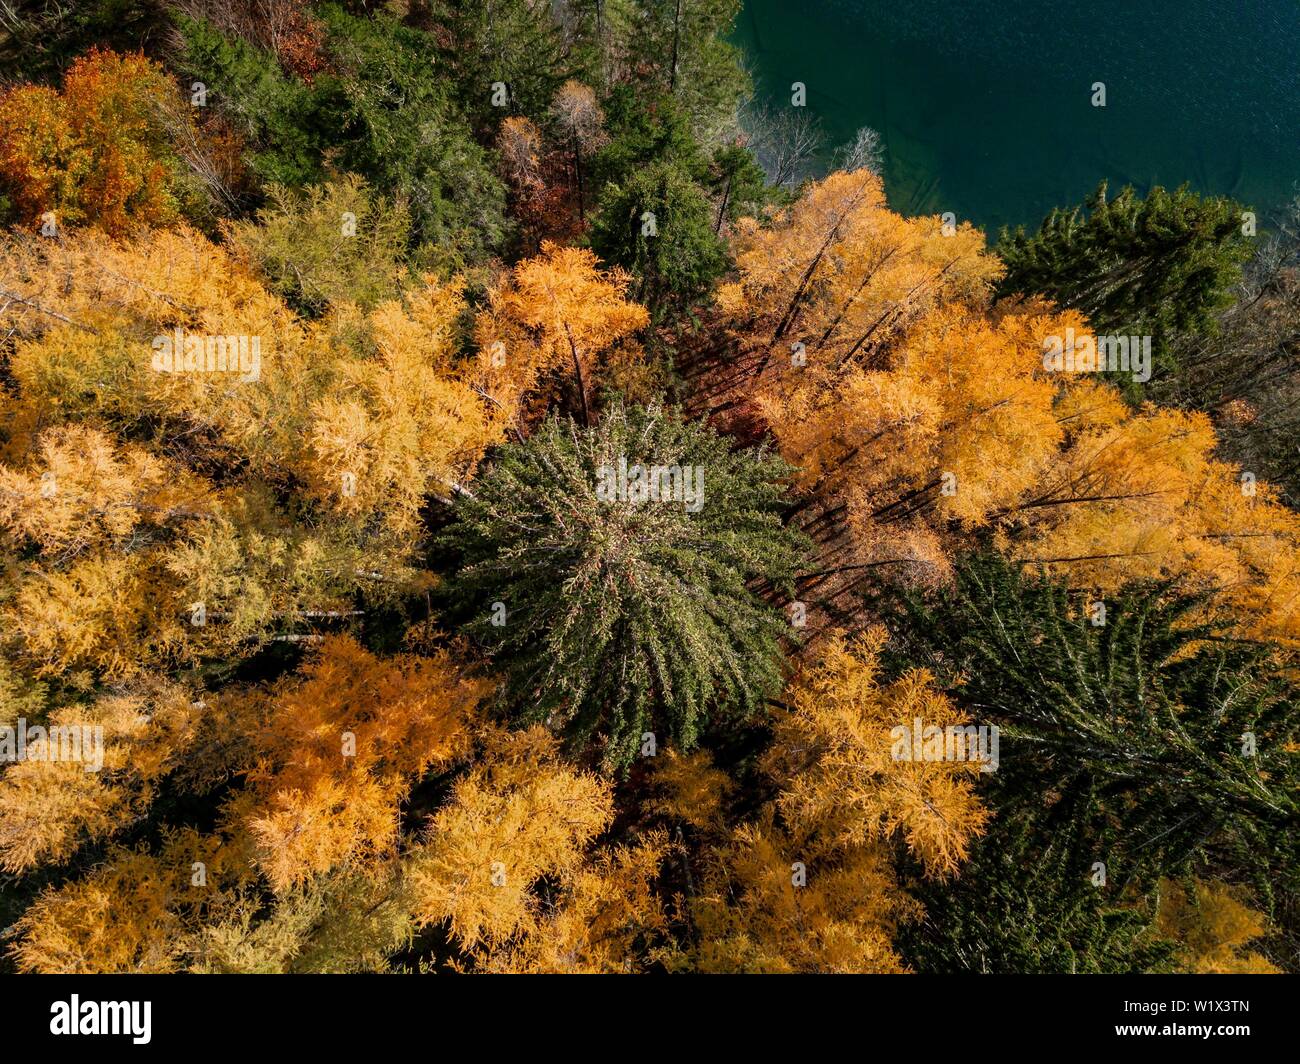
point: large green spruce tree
(610, 617)
(1136, 743)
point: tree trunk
(577, 369)
(677, 36)
(722, 207)
(577, 174)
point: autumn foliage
(920, 413)
(99, 150)
(308, 540)
(808, 885)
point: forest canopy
(475, 497)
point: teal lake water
(985, 106)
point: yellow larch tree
(520, 814)
(94, 771)
(133, 914)
(689, 790)
(826, 290)
(604, 920)
(839, 274)
(1212, 926)
(110, 613)
(918, 413)
(836, 753)
(957, 423)
(116, 919)
(809, 885)
(89, 347)
(305, 871)
(374, 411)
(410, 421)
(1143, 497)
(755, 913)
(343, 742)
(557, 311)
(82, 489)
(96, 511)
(92, 313)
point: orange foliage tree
(840, 274)
(99, 151)
(557, 310)
(339, 749)
(919, 413)
(809, 885)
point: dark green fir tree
(609, 614)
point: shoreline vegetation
(476, 498)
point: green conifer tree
(609, 617)
(1157, 266)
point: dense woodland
(385, 680)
